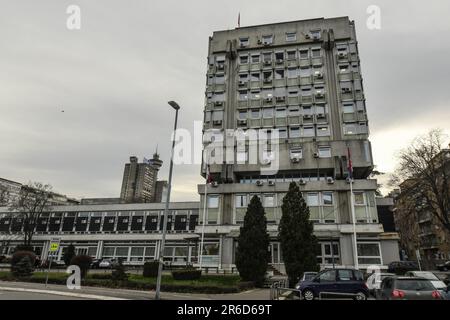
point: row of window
(280, 56)
(268, 39)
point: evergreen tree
(252, 256)
(23, 269)
(69, 254)
(119, 273)
(298, 242)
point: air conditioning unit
(259, 183)
(271, 183)
(242, 122)
(316, 37)
(330, 180)
(266, 161)
(308, 36)
(267, 80)
(295, 159)
(320, 115)
(214, 184)
(342, 55)
(316, 154)
(319, 94)
(280, 99)
(242, 83)
(218, 103)
(269, 99)
(302, 182)
(307, 116)
(280, 61)
(268, 62)
(220, 66)
(217, 122)
(267, 43)
(318, 74)
(259, 41)
(346, 90)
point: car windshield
(414, 285)
(426, 275)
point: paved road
(9, 295)
(105, 293)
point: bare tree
(32, 202)
(423, 172)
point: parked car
(373, 282)
(408, 288)
(444, 266)
(435, 281)
(307, 276)
(335, 282)
(401, 267)
(107, 263)
(96, 263)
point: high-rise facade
(302, 80)
(139, 182)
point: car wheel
(308, 295)
(360, 296)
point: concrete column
(346, 244)
(99, 252)
(226, 253)
(45, 248)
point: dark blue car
(332, 282)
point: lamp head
(174, 105)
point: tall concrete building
(139, 184)
(301, 79)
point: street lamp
(174, 105)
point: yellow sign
(54, 247)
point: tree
(298, 242)
(119, 273)
(373, 175)
(69, 254)
(33, 200)
(423, 174)
(4, 196)
(252, 256)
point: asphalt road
(10, 295)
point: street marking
(61, 293)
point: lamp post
(174, 105)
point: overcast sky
(113, 79)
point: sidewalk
(97, 293)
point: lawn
(206, 283)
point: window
(241, 156)
(241, 201)
(213, 201)
(328, 252)
(282, 133)
(279, 56)
(269, 201)
(255, 76)
(304, 54)
(316, 53)
(315, 34)
(267, 76)
(305, 72)
(293, 93)
(267, 93)
(312, 199)
(267, 112)
(359, 198)
(323, 131)
(363, 127)
(243, 95)
(243, 59)
(255, 114)
(281, 112)
(307, 110)
(320, 109)
(327, 198)
(294, 111)
(267, 56)
(255, 58)
(243, 77)
(296, 153)
(217, 116)
(292, 73)
(308, 132)
(369, 253)
(350, 128)
(243, 42)
(324, 152)
(345, 275)
(343, 68)
(218, 96)
(255, 95)
(279, 74)
(242, 115)
(291, 36)
(220, 79)
(207, 116)
(328, 276)
(306, 91)
(294, 132)
(348, 108)
(291, 55)
(267, 39)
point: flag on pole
(239, 20)
(350, 165)
(209, 178)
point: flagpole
(355, 245)
(204, 217)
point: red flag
(350, 165)
(209, 178)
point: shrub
(19, 255)
(187, 274)
(101, 276)
(23, 268)
(119, 272)
(82, 261)
(2, 258)
(69, 254)
(150, 269)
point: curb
(62, 293)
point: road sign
(54, 244)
